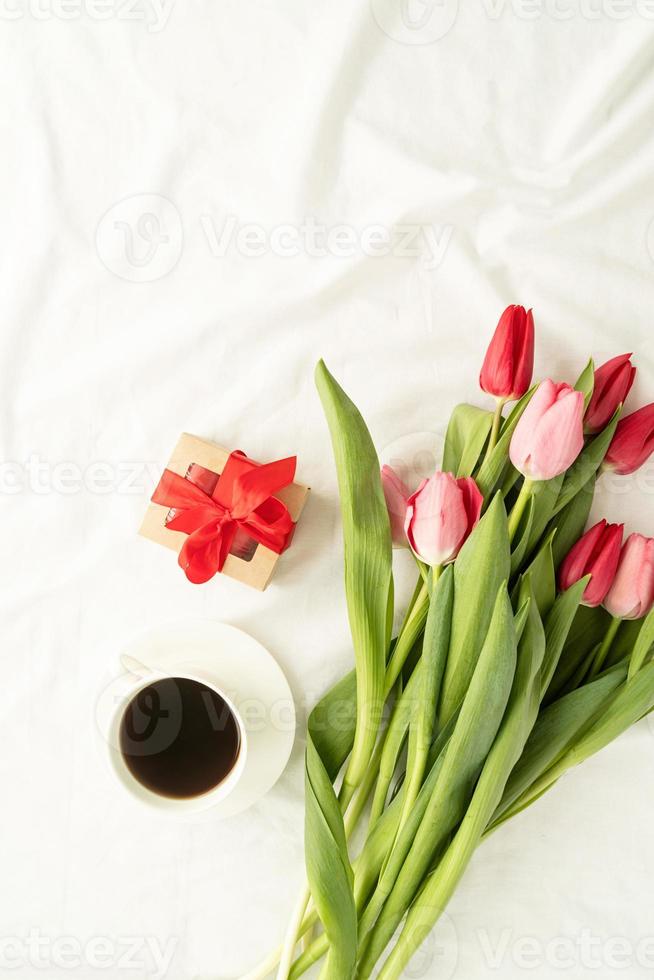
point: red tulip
(613, 382)
(597, 554)
(397, 496)
(550, 434)
(632, 594)
(633, 442)
(440, 516)
(509, 362)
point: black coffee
(179, 738)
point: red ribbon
(243, 498)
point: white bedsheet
(404, 181)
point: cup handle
(133, 666)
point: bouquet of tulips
(525, 648)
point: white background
(521, 139)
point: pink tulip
(440, 516)
(613, 382)
(632, 593)
(597, 554)
(550, 434)
(509, 362)
(397, 496)
(633, 442)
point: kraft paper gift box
(201, 465)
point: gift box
(223, 512)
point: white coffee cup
(160, 738)
(241, 672)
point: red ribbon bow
(243, 498)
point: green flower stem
(519, 508)
(358, 804)
(411, 630)
(320, 945)
(393, 740)
(362, 796)
(412, 627)
(497, 423)
(353, 800)
(293, 934)
(605, 647)
(390, 743)
(414, 598)
(315, 952)
(302, 920)
(421, 727)
(263, 970)
(417, 596)
(347, 790)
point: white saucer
(246, 673)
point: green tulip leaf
(368, 558)
(483, 564)
(643, 645)
(519, 553)
(432, 667)
(624, 641)
(397, 843)
(328, 868)
(394, 740)
(517, 723)
(630, 702)
(493, 467)
(586, 382)
(476, 728)
(571, 520)
(466, 436)
(541, 574)
(587, 464)
(545, 495)
(332, 724)
(587, 631)
(557, 628)
(556, 729)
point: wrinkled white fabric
(199, 201)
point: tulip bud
(397, 495)
(613, 382)
(440, 516)
(633, 442)
(550, 434)
(632, 594)
(597, 554)
(509, 362)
